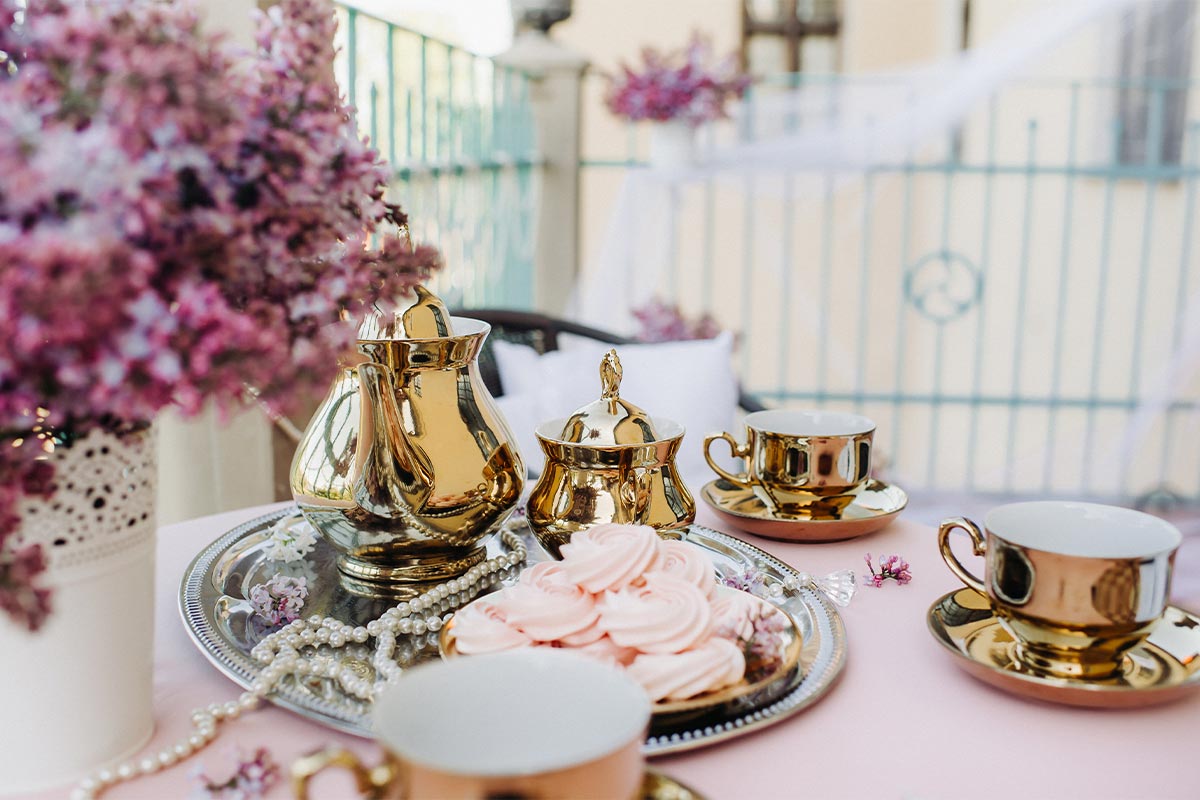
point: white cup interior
(809, 423)
(1083, 529)
(519, 713)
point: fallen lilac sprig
(890, 567)
(748, 580)
(280, 599)
(252, 778)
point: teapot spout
(393, 478)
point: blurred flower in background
(691, 86)
(661, 322)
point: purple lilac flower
(890, 567)
(179, 221)
(280, 599)
(690, 86)
(252, 777)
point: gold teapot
(407, 466)
(608, 462)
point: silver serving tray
(220, 621)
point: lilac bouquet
(180, 222)
(692, 86)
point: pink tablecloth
(903, 722)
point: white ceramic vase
(672, 145)
(77, 694)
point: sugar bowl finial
(610, 376)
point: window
(790, 35)
(1155, 69)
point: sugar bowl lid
(609, 420)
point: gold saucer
(709, 703)
(1162, 668)
(875, 504)
(656, 786)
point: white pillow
(690, 382)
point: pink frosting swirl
(547, 606)
(687, 562)
(664, 615)
(713, 664)
(610, 557)
(482, 627)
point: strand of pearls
(280, 654)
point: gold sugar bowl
(608, 462)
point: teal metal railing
(1007, 301)
(458, 129)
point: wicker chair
(541, 333)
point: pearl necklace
(280, 653)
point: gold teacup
(1075, 584)
(801, 462)
(530, 723)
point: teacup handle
(372, 782)
(978, 547)
(738, 451)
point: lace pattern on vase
(104, 504)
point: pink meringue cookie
(605, 649)
(687, 562)
(609, 557)
(481, 627)
(663, 615)
(733, 614)
(713, 664)
(586, 636)
(547, 606)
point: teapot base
(374, 579)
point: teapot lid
(425, 318)
(609, 420)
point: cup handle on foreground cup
(978, 547)
(738, 450)
(372, 782)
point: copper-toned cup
(532, 723)
(800, 460)
(1075, 584)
